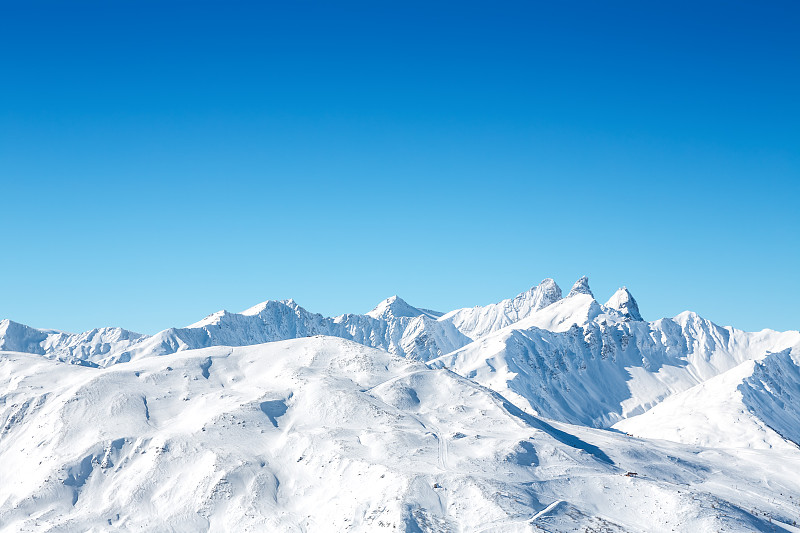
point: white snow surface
(753, 405)
(506, 417)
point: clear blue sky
(163, 160)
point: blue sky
(163, 160)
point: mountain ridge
(538, 347)
(381, 328)
(539, 411)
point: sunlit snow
(538, 413)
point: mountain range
(540, 412)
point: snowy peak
(545, 293)
(213, 318)
(478, 321)
(263, 306)
(624, 302)
(581, 287)
(394, 307)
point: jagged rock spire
(549, 290)
(581, 287)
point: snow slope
(323, 434)
(753, 405)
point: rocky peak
(581, 287)
(624, 302)
(394, 307)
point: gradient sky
(163, 160)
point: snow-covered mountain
(753, 405)
(83, 348)
(505, 417)
(583, 363)
(324, 434)
(393, 326)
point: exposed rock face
(581, 287)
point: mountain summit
(581, 287)
(624, 302)
(394, 307)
